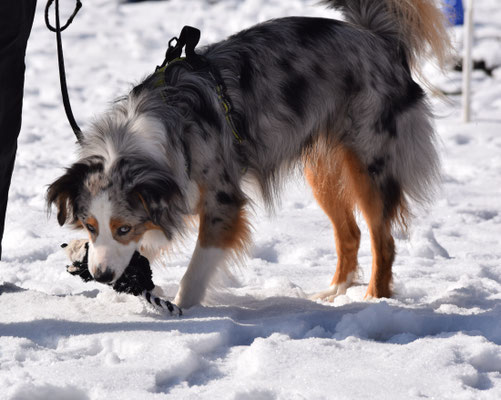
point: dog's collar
(188, 39)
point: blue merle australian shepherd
(335, 98)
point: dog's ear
(151, 188)
(65, 191)
(161, 198)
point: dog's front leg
(223, 231)
(202, 267)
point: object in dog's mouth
(136, 279)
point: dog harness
(189, 39)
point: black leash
(188, 39)
(62, 73)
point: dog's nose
(104, 275)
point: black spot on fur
(350, 83)
(285, 64)
(158, 188)
(311, 30)
(204, 110)
(319, 71)
(247, 72)
(225, 177)
(413, 95)
(225, 198)
(387, 122)
(294, 91)
(392, 194)
(377, 166)
(216, 220)
(397, 105)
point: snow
(260, 338)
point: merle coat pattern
(335, 97)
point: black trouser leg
(16, 19)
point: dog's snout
(104, 275)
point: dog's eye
(123, 230)
(90, 228)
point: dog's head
(117, 202)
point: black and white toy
(136, 279)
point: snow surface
(438, 337)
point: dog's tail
(418, 26)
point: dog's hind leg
(383, 247)
(340, 181)
(381, 203)
(330, 178)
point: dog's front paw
(185, 300)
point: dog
(334, 98)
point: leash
(188, 39)
(60, 58)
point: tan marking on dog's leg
(329, 178)
(234, 232)
(383, 254)
(369, 200)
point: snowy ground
(438, 337)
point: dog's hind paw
(331, 293)
(334, 290)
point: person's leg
(16, 19)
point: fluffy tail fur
(419, 26)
